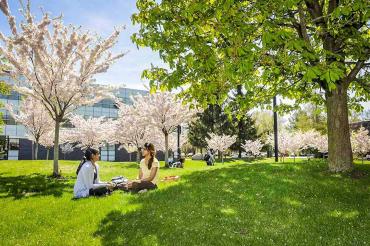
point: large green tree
(309, 117)
(307, 50)
(243, 124)
(214, 119)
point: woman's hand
(111, 185)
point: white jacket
(85, 180)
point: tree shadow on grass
(229, 160)
(32, 185)
(259, 204)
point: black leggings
(102, 191)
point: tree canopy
(310, 51)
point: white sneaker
(142, 191)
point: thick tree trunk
(56, 149)
(166, 149)
(340, 152)
(47, 153)
(240, 129)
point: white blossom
(91, 132)
(220, 142)
(34, 117)
(360, 141)
(164, 111)
(131, 128)
(253, 147)
(56, 64)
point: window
(13, 144)
(108, 153)
(97, 111)
(3, 147)
(8, 120)
(89, 111)
(10, 130)
(105, 112)
(21, 131)
(113, 113)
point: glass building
(14, 144)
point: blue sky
(100, 17)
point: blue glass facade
(13, 135)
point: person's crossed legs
(136, 186)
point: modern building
(14, 144)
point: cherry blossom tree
(66, 148)
(131, 128)
(159, 143)
(314, 139)
(310, 138)
(130, 149)
(57, 62)
(220, 143)
(172, 142)
(165, 112)
(47, 140)
(322, 144)
(91, 132)
(253, 147)
(295, 143)
(36, 119)
(283, 142)
(360, 141)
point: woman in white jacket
(88, 182)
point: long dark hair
(150, 147)
(87, 157)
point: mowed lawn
(235, 203)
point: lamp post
(275, 131)
(178, 142)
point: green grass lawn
(236, 203)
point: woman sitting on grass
(148, 174)
(88, 182)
